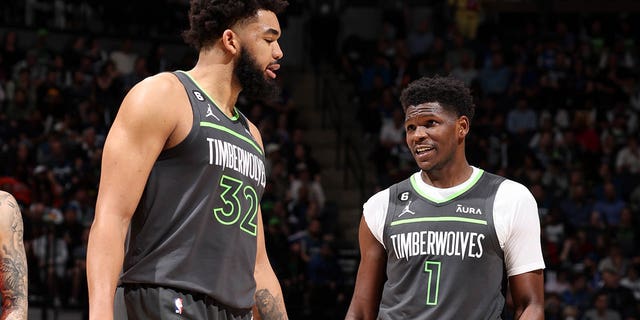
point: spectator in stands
(553, 227)
(578, 294)
(609, 205)
(376, 75)
(52, 254)
(108, 89)
(392, 137)
(11, 51)
(575, 249)
(96, 53)
(626, 233)
(494, 77)
(467, 16)
(124, 57)
(522, 121)
(552, 306)
(276, 242)
(303, 179)
(557, 281)
(619, 298)
(628, 161)
(78, 272)
(158, 59)
(601, 310)
(18, 105)
(577, 207)
(631, 280)
(294, 281)
(310, 239)
(139, 72)
(614, 261)
(420, 38)
(466, 70)
(325, 284)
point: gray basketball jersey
(444, 260)
(196, 224)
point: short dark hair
(450, 92)
(209, 18)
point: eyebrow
(272, 31)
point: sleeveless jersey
(444, 260)
(196, 224)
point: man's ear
(463, 127)
(230, 41)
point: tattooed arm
(13, 262)
(269, 301)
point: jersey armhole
(168, 153)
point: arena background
(555, 83)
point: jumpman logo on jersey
(210, 113)
(406, 210)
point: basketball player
(437, 245)
(13, 261)
(182, 177)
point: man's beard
(255, 86)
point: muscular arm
(269, 299)
(139, 133)
(371, 277)
(527, 292)
(268, 296)
(13, 265)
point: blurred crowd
(557, 107)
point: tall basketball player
(182, 178)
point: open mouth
(423, 149)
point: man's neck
(214, 74)
(448, 177)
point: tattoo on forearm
(13, 265)
(269, 306)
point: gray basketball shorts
(138, 302)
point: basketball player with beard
(178, 229)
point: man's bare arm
(13, 265)
(269, 299)
(370, 278)
(527, 291)
(268, 296)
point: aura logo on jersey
(231, 156)
(468, 210)
(438, 243)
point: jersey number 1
(432, 268)
(233, 207)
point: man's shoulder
(161, 84)
(512, 189)
(163, 89)
(503, 180)
(378, 197)
(383, 194)
(8, 209)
